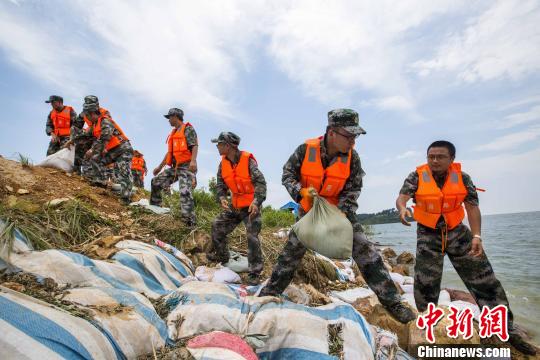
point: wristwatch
(477, 236)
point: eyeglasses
(437, 157)
(349, 137)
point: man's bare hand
(224, 204)
(253, 210)
(157, 170)
(476, 248)
(403, 215)
(193, 166)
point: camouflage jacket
(410, 186)
(49, 126)
(257, 179)
(348, 198)
(77, 127)
(107, 131)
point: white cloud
(408, 154)
(533, 114)
(511, 141)
(335, 48)
(503, 42)
(500, 174)
(522, 101)
(187, 53)
(398, 103)
(33, 50)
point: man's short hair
(445, 144)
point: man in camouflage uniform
(184, 172)
(463, 248)
(81, 136)
(98, 157)
(342, 130)
(227, 144)
(57, 140)
(138, 175)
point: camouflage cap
(175, 111)
(91, 99)
(346, 119)
(228, 137)
(89, 107)
(54, 98)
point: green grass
(68, 226)
(273, 218)
(25, 161)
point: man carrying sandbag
(81, 135)
(111, 146)
(332, 167)
(238, 173)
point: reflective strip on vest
(62, 121)
(177, 146)
(327, 182)
(238, 180)
(433, 202)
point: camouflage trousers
(57, 146)
(137, 178)
(225, 223)
(163, 182)
(121, 157)
(82, 145)
(364, 254)
(476, 272)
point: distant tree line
(383, 217)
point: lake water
(512, 244)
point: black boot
(521, 345)
(401, 312)
(253, 279)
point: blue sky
(416, 71)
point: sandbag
(77, 270)
(291, 331)
(326, 230)
(237, 262)
(220, 345)
(219, 274)
(153, 263)
(127, 316)
(62, 159)
(153, 208)
(33, 329)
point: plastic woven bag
(62, 159)
(326, 230)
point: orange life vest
(62, 121)
(328, 182)
(432, 202)
(102, 111)
(177, 146)
(115, 139)
(138, 164)
(238, 180)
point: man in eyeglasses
(314, 165)
(442, 193)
